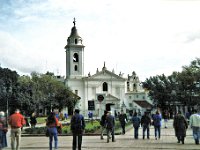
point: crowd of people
(180, 124)
(16, 121)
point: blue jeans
(157, 131)
(136, 132)
(53, 134)
(196, 133)
(1, 139)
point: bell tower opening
(75, 57)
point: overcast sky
(150, 37)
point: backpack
(102, 121)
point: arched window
(105, 86)
(75, 57)
(76, 41)
(75, 68)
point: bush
(91, 127)
(37, 130)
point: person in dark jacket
(157, 124)
(3, 130)
(110, 126)
(180, 125)
(166, 118)
(145, 123)
(123, 119)
(77, 128)
(33, 120)
(136, 124)
(103, 123)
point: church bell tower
(74, 54)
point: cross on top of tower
(74, 21)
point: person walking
(33, 120)
(145, 123)
(16, 122)
(195, 125)
(180, 125)
(3, 130)
(123, 119)
(103, 123)
(52, 123)
(166, 118)
(77, 128)
(157, 124)
(90, 116)
(136, 124)
(110, 126)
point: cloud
(193, 37)
(143, 36)
(16, 56)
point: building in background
(104, 90)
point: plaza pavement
(123, 142)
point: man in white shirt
(195, 125)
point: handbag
(59, 129)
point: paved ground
(123, 142)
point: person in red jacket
(16, 122)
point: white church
(103, 90)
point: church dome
(74, 32)
(74, 38)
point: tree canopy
(30, 92)
(180, 88)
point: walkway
(123, 142)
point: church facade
(104, 90)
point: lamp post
(7, 90)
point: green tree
(52, 93)
(180, 88)
(8, 89)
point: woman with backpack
(136, 124)
(157, 124)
